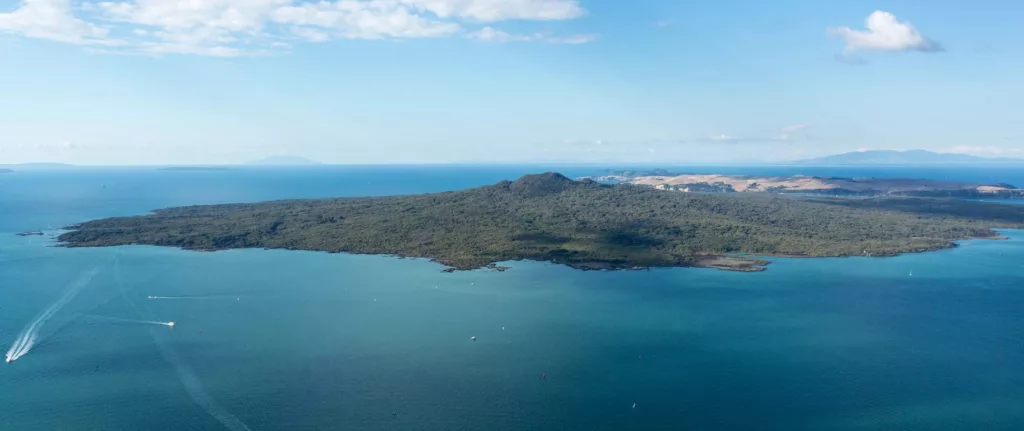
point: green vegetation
(585, 224)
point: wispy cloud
(229, 28)
(884, 32)
(56, 146)
(575, 39)
(586, 142)
(722, 138)
(785, 134)
(493, 35)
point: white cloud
(53, 20)
(246, 27)
(575, 39)
(491, 34)
(501, 10)
(724, 138)
(883, 32)
(785, 134)
(364, 20)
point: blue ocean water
(277, 340)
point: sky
(505, 81)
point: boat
(473, 338)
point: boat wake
(189, 379)
(118, 319)
(30, 335)
(196, 297)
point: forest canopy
(584, 224)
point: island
(583, 224)
(197, 168)
(5, 171)
(803, 184)
(30, 233)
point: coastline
(741, 262)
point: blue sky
(434, 81)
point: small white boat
(473, 338)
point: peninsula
(583, 224)
(803, 184)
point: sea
(289, 340)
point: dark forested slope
(552, 218)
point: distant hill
(283, 161)
(197, 168)
(911, 157)
(24, 166)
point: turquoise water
(275, 340)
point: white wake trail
(193, 386)
(28, 336)
(196, 297)
(118, 319)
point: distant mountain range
(283, 161)
(911, 157)
(27, 166)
